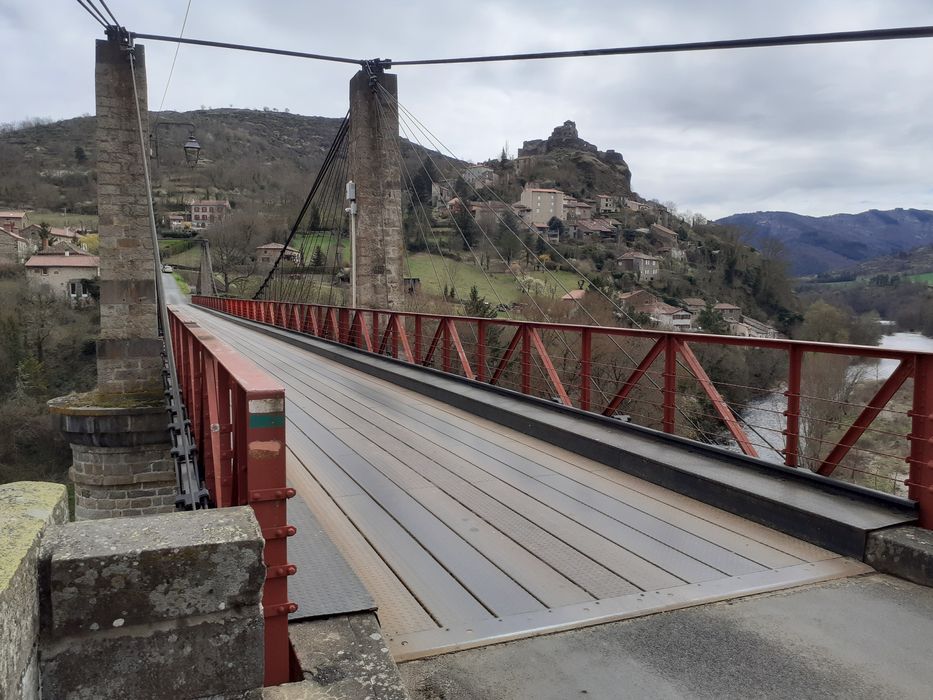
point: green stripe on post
(267, 420)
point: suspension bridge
(485, 479)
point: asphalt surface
(865, 637)
(173, 294)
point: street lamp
(192, 151)
(191, 148)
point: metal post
(586, 359)
(920, 481)
(792, 431)
(351, 210)
(670, 383)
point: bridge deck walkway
(466, 532)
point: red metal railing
(237, 415)
(594, 368)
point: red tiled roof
(573, 295)
(14, 236)
(63, 261)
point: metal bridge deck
(466, 533)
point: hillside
(265, 157)
(838, 241)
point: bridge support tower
(375, 168)
(118, 435)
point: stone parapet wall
(27, 510)
(163, 606)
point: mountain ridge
(836, 241)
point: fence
(237, 413)
(815, 408)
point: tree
(80, 155)
(318, 260)
(477, 306)
(466, 225)
(233, 244)
(711, 321)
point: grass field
(328, 243)
(926, 277)
(435, 272)
(60, 220)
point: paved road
(865, 637)
(173, 294)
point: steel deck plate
(324, 584)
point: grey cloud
(812, 129)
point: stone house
(645, 267)
(204, 212)
(543, 204)
(267, 254)
(597, 228)
(33, 233)
(478, 176)
(664, 233)
(729, 312)
(694, 304)
(14, 249)
(576, 210)
(66, 274)
(14, 221)
(607, 203)
(489, 214)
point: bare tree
(233, 246)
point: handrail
(237, 415)
(566, 372)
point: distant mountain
(817, 244)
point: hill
(267, 158)
(838, 241)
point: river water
(765, 414)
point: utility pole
(375, 169)
(351, 210)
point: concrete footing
(906, 552)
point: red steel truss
(399, 334)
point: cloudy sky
(816, 130)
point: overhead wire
(100, 19)
(171, 70)
(115, 22)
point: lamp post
(191, 148)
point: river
(766, 413)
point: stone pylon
(374, 165)
(118, 433)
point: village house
(600, 228)
(478, 176)
(574, 295)
(694, 304)
(543, 204)
(440, 193)
(670, 318)
(33, 233)
(67, 274)
(489, 214)
(664, 233)
(749, 327)
(14, 221)
(14, 249)
(645, 267)
(607, 203)
(729, 312)
(575, 210)
(204, 212)
(673, 252)
(268, 254)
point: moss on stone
(26, 508)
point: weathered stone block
(342, 657)
(107, 574)
(906, 552)
(27, 510)
(217, 656)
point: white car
(167, 268)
